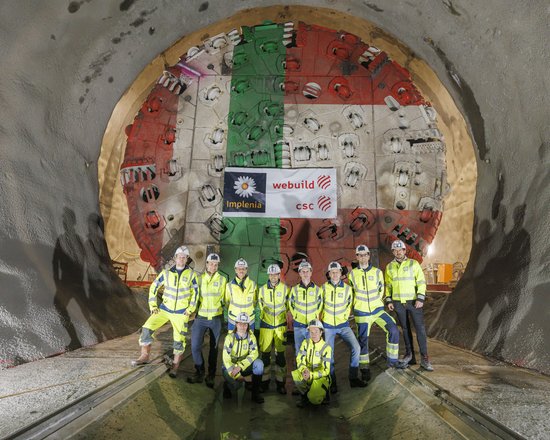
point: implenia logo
(324, 203)
(244, 186)
(324, 181)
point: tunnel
(76, 73)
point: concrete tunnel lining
(58, 95)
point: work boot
(264, 386)
(226, 391)
(333, 385)
(365, 374)
(426, 364)
(256, 381)
(173, 373)
(281, 387)
(354, 380)
(303, 401)
(209, 380)
(198, 377)
(143, 357)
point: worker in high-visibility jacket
(337, 302)
(181, 289)
(209, 316)
(240, 359)
(304, 303)
(272, 299)
(240, 295)
(368, 309)
(406, 293)
(312, 375)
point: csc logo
(305, 206)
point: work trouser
(198, 329)
(179, 323)
(314, 389)
(346, 333)
(417, 316)
(256, 368)
(385, 322)
(273, 337)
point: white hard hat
(304, 265)
(334, 265)
(362, 248)
(182, 250)
(273, 269)
(241, 264)
(213, 257)
(398, 244)
(243, 317)
(315, 323)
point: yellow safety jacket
(405, 281)
(368, 287)
(316, 357)
(305, 303)
(337, 300)
(211, 295)
(180, 290)
(273, 301)
(240, 295)
(239, 352)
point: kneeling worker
(240, 358)
(312, 377)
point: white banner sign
(280, 192)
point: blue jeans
(198, 329)
(346, 333)
(299, 335)
(256, 368)
(417, 316)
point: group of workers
(314, 310)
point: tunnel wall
(66, 64)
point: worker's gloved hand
(154, 311)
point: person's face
(399, 254)
(241, 272)
(212, 266)
(181, 260)
(335, 275)
(274, 278)
(305, 275)
(315, 334)
(242, 327)
(363, 258)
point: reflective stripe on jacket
(337, 302)
(305, 303)
(239, 352)
(180, 291)
(368, 287)
(240, 297)
(273, 302)
(316, 357)
(211, 295)
(405, 281)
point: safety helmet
(334, 265)
(398, 244)
(243, 317)
(273, 269)
(241, 264)
(213, 257)
(362, 248)
(182, 250)
(304, 265)
(315, 323)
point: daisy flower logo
(245, 186)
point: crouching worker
(180, 296)
(240, 359)
(312, 377)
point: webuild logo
(244, 192)
(323, 182)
